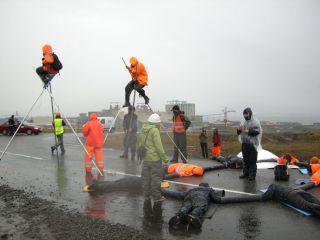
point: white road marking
(180, 183)
(22, 155)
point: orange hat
(58, 114)
(197, 171)
(47, 48)
(314, 160)
(133, 61)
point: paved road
(30, 166)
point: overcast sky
(214, 53)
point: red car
(27, 129)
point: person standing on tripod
(130, 128)
(139, 80)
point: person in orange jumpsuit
(93, 132)
(176, 170)
(51, 65)
(139, 81)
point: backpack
(56, 65)
(141, 151)
(281, 173)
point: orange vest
(178, 126)
(185, 170)
(283, 161)
(316, 177)
(315, 168)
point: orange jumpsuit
(93, 132)
(287, 159)
(185, 170)
(315, 177)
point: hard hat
(154, 118)
(58, 114)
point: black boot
(243, 175)
(126, 104)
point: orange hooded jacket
(185, 170)
(48, 59)
(138, 71)
(93, 132)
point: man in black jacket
(180, 125)
(130, 127)
(195, 204)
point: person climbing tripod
(51, 65)
(139, 81)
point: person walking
(58, 125)
(203, 143)
(149, 138)
(249, 132)
(180, 124)
(11, 124)
(93, 132)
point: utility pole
(225, 113)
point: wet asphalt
(30, 166)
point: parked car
(25, 128)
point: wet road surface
(30, 166)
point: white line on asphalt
(181, 183)
(22, 155)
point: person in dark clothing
(203, 143)
(231, 161)
(180, 124)
(195, 204)
(51, 65)
(130, 127)
(296, 197)
(11, 123)
(250, 137)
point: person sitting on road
(287, 159)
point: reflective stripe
(178, 125)
(58, 126)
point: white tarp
(270, 165)
(263, 155)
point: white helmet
(154, 118)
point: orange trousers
(97, 153)
(216, 151)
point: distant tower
(225, 113)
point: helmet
(58, 114)
(154, 118)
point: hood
(249, 111)
(147, 126)
(47, 49)
(93, 116)
(133, 61)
